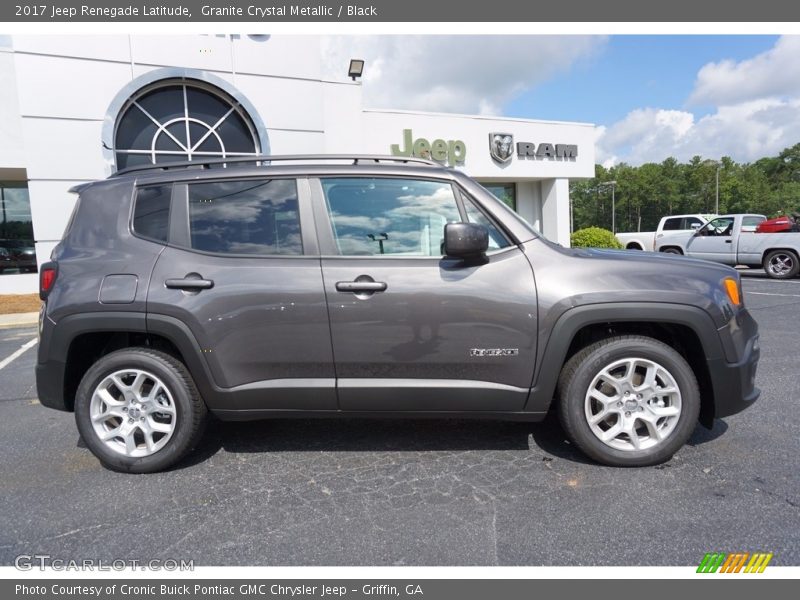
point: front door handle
(728, 241)
(189, 284)
(360, 286)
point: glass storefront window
(507, 192)
(17, 249)
(178, 121)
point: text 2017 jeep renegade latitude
(369, 286)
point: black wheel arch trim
(553, 354)
(64, 332)
(53, 355)
(181, 336)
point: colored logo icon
(737, 562)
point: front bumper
(734, 382)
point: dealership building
(77, 108)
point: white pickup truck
(646, 240)
(732, 240)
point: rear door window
(247, 217)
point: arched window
(178, 120)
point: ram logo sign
(501, 146)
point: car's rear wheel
(139, 411)
(671, 251)
(781, 264)
(628, 401)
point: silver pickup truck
(732, 240)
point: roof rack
(266, 158)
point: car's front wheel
(628, 401)
(138, 410)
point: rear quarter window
(151, 212)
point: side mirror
(695, 226)
(465, 240)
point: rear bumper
(50, 385)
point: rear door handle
(728, 241)
(360, 286)
(189, 284)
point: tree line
(643, 194)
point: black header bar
(375, 11)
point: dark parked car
(5, 260)
(22, 255)
(370, 286)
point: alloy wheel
(133, 413)
(633, 404)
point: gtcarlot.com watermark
(42, 562)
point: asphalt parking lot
(357, 492)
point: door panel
(261, 320)
(430, 340)
(714, 242)
(411, 330)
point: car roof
(284, 165)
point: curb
(19, 320)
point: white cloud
(460, 74)
(774, 73)
(746, 132)
(756, 114)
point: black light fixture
(356, 68)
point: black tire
(190, 410)
(672, 251)
(579, 373)
(781, 264)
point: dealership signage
(501, 149)
(452, 152)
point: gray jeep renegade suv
(369, 286)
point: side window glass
(151, 212)
(749, 224)
(722, 226)
(496, 239)
(397, 217)
(689, 221)
(672, 224)
(253, 216)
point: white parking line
(770, 281)
(769, 294)
(26, 346)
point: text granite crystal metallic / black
(336, 286)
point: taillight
(47, 278)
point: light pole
(718, 166)
(613, 185)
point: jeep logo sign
(452, 152)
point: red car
(780, 224)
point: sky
(651, 97)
